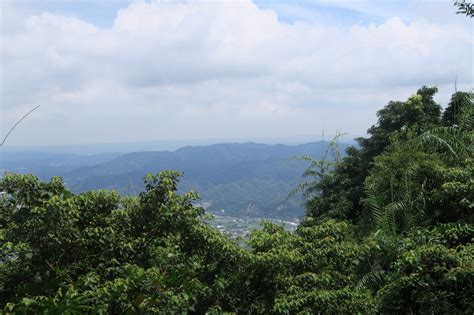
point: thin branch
(17, 123)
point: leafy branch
(464, 7)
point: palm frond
(377, 212)
(373, 279)
(456, 141)
(317, 170)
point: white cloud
(216, 70)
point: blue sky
(311, 11)
(100, 13)
(124, 71)
(103, 13)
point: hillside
(238, 179)
(233, 179)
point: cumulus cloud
(215, 70)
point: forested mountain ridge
(204, 156)
(388, 229)
(236, 179)
(246, 179)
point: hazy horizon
(127, 147)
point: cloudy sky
(125, 71)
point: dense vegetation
(389, 229)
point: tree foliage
(464, 7)
(150, 253)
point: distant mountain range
(45, 164)
(237, 179)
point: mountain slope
(246, 179)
